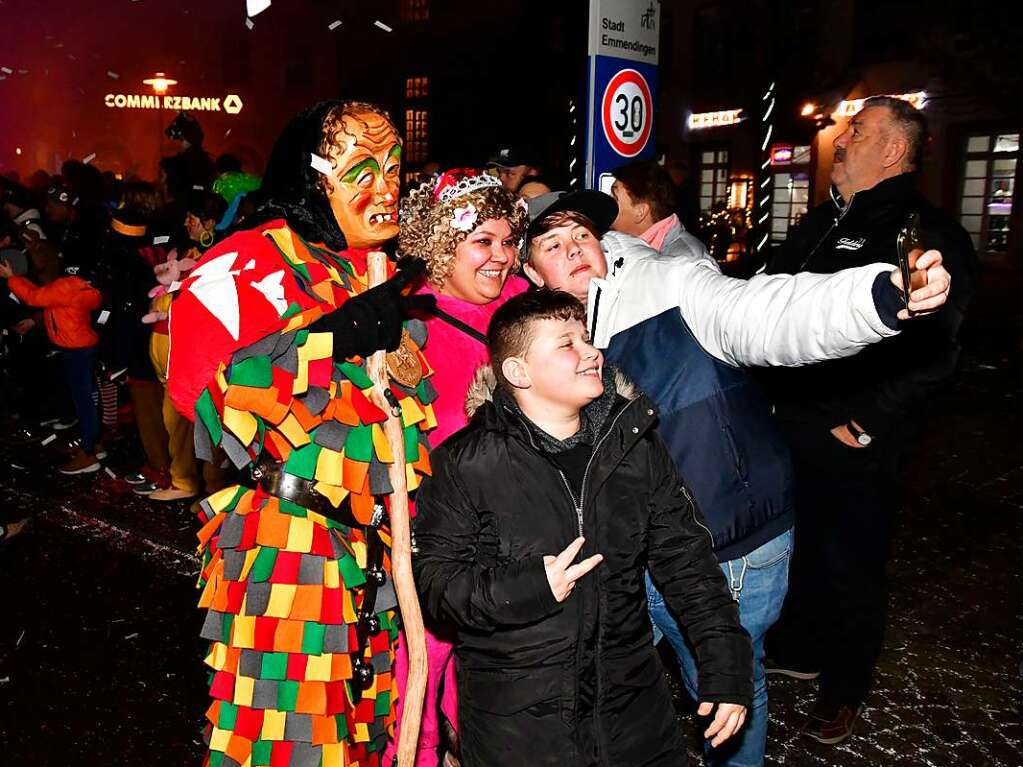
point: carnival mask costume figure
(467, 228)
(269, 339)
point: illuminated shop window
(417, 87)
(790, 188)
(989, 181)
(417, 135)
(789, 199)
(415, 10)
(713, 178)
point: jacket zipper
(833, 227)
(578, 506)
(596, 311)
(696, 519)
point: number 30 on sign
(626, 112)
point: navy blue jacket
(719, 429)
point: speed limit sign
(627, 112)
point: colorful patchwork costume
(301, 608)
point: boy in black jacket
(555, 659)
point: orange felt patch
(362, 507)
(306, 605)
(239, 748)
(340, 666)
(307, 420)
(324, 730)
(288, 636)
(273, 529)
(354, 474)
(312, 698)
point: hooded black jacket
(887, 383)
(577, 682)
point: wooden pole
(401, 548)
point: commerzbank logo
(230, 104)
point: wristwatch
(861, 436)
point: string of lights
(764, 187)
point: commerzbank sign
(230, 104)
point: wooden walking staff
(401, 546)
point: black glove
(373, 320)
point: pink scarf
(654, 236)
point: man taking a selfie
(850, 421)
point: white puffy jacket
(778, 319)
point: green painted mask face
(364, 189)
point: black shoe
(146, 488)
(773, 667)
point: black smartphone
(910, 248)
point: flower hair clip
(464, 219)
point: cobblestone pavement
(100, 660)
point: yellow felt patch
(281, 597)
(241, 423)
(273, 725)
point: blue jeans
(78, 368)
(758, 582)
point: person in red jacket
(67, 304)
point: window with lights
(417, 87)
(713, 178)
(790, 188)
(417, 135)
(989, 184)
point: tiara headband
(461, 181)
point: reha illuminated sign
(701, 120)
(231, 104)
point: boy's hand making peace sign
(562, 574)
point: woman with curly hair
(468, 230)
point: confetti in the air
(7, 70)
(109, 472)
(334, 25)
(89, 158)
(113, 75)
(321, 165)
(49, 439)
(256, 7)
(227, 133)
(382, 26)
(103, 317)
(162, 239)
(249, 24)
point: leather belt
(273, 480)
